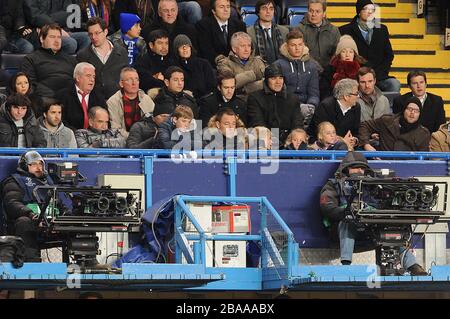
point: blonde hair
(183, 111)
(321, 128)
(290, 136)
(262, 133)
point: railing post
(231, 171)
(148, 173)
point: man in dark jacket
(333, 206)
(372, 39)
(4, 76)
(49, 69)
(173, 92)
(80, 96)
(273, 107)
(215, 31)
(154, 63)
(433, 113)
(223, 96)
(398, 132)
(20, 204)
(341, 110)
(107, 58)
(143, 134)
(18, 125)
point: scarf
(132, 48)
(366, 27)
(277, 39)
(406, 127)
(343, 70)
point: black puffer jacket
(34, 137)
(165, 96)
(143, 134)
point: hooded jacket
(116, 39)
(321, 41)
(440, 140)
(63, 137)
(301, 76)
(143, 134)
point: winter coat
(165, 96)
(249, 76)
(258, 36)
(210, 104)
(111, 138)
(440, 140)
(143, 134)
(378, 53)
(149, 65)
(300, 76)
(9, 133)
(321, 41)
(107, 76)
(388, 128)
(12, 17)
(373, 111)
(211, 41)
(116, 39)
(335, 71)
(330, 110)
(42, 12)
(63, 137)
(48, 72)
(433, 113)
(170, 137)
(213, 139)
(116, 113)
(274, 110)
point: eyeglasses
(354, 94)
(97, 33)
(413, 110)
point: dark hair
(366, 70)
(49, 102)
(156, 34)
(415, 73)
(171, 70)
(261, 3)
(224, 111)
(96, 20)
(11, 89)
(224, 75)
(294, 34)
(46, 28)
(213, 4)
(17, 100)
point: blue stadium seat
(248, 15)
(295, 15)
(11, 62)
(391, 96)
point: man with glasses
(130, 104)
(397, 132)
(320, 36)
(107, 58)
(372, 39)
(342, 110)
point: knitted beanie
(181, 40)
(414, 100)
(346, 42)
(360, 4)
(127, 21)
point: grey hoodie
(63, 137)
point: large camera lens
(410, 196)
(121, 203)
(426, 196)
(103, 204)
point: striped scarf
(99, 10)
(260, 39)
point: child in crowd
(177, 130)
(328, 140)
(296, 140)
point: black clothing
(164, 96)
(143, 134)
(9, 133)
(149, 65)
(199, 76)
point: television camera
(388, 207)
(73, 214)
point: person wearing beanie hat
(143, 134)
(372, 40)
(343, 65)
(398, 132)
(198, 73)
(274, 106)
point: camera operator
(333, 205)
(20, 205)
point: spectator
(440, 140)
(267, 36)
(155, 62)
(328, 140)
(107, 58)
(20, 83)
(173, 92)
(176, 130)
(247, 68)
(344, 65)
(169, 20)
(225, 131)
(260, 138)
(297, 140)
(199, 75)
(433, 113)
(21, 37)
(80, 96)
(100, 9)
(145, 9)
(98, 135)
(371, 100)
(398, 132)
(301, 75)
(56, 134)
(216, 30)
(320, 36)
(333, 206)
(144, 134)
(372, 39)
(45, 12)
(129, 37)
(224, 96)
(130, 104)
(342, 110)
(4, 76)
(18, 125)
(49, 69)
(273, 107)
